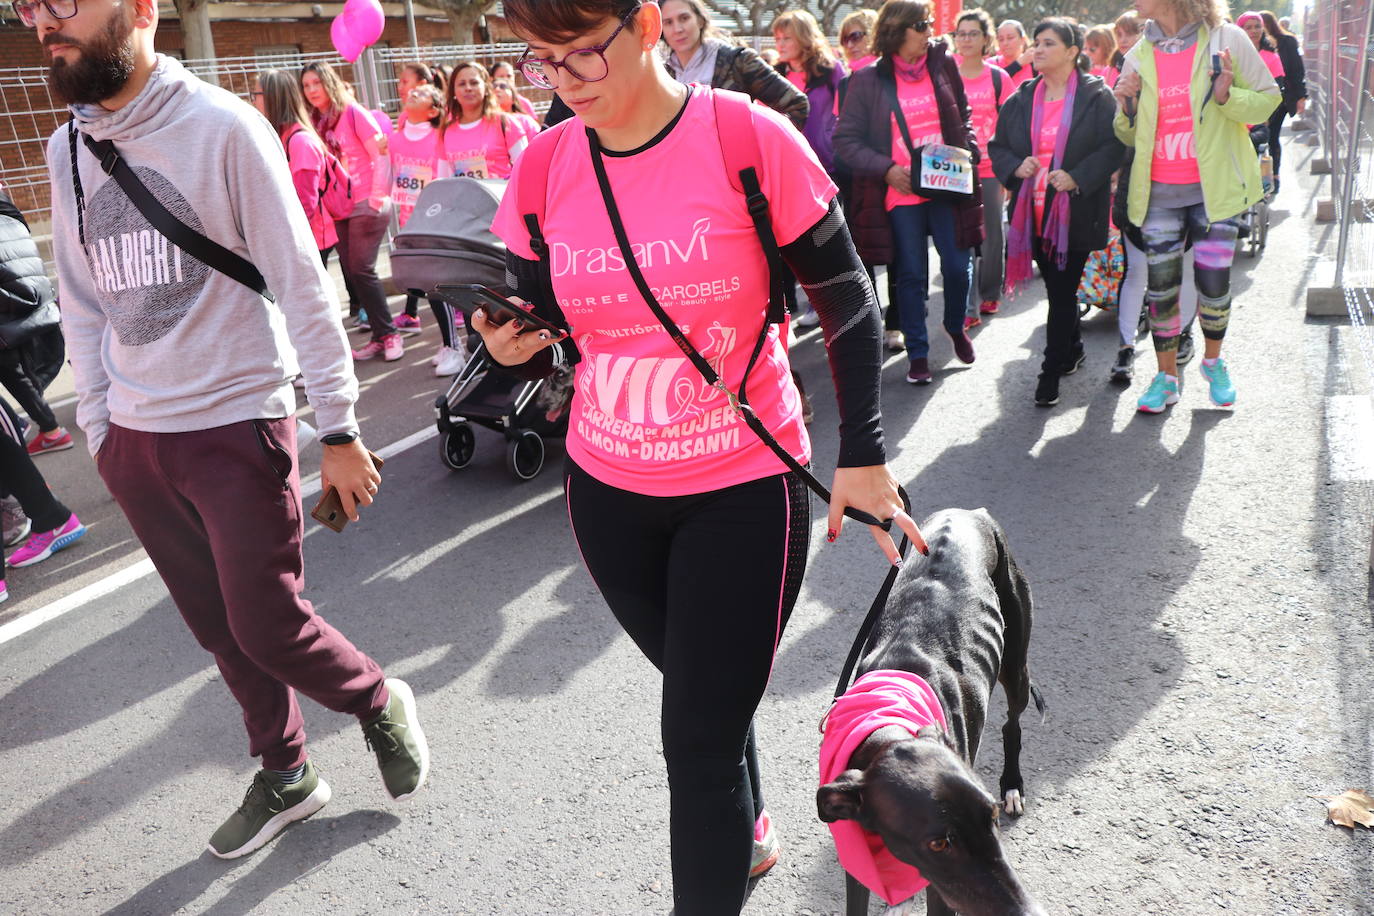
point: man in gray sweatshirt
(183, 378)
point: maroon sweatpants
(219, 512)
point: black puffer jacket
(742, 70)
(24, 287)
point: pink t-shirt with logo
(917, 101)
(643, 419)
(984, 107)
(1175, 153)
(414, 152)
(486, 148)
(1044, 151)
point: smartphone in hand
(469, 297)
(329, 510)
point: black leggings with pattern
(704, 585)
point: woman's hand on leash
(508, 343)
(873, 490)
(349, 469)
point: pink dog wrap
(876, 699)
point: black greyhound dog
(960, 618)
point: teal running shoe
(1219, 386)
(1162, 392)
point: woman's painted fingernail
(478, 313)
(925, 551)
(897, 562)
(517, 323)
(831, 535)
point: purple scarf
(911, 73)
(1021, 232)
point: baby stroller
(1254, 223)
(448, 239)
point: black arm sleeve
(824, 260)
(524, 279)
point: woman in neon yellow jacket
(1189, 90)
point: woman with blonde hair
(1101, 50)
(856, 38)
(351, 134)
(1195, 170)
(808, 61)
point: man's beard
(101, 70)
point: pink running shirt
(346, 138)
(482, 149)
(857, 65)
(1272, 61)
(642, 418)
(1175, 153)
(1044, 151)
(414, 152)
(985, 109)
(917, 101)
(1017, 78)
(305, 157)
(1109, 74)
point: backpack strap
(996, 90)
(739, 147)
(531, 200)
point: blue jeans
(910, 226)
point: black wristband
(339, 438)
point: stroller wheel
(525, 456)
(457, 445)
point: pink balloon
(343, 40)
(365, 20)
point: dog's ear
(842, 799)
(938, 734)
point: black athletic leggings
(704, 585)
(21, 479)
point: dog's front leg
(855, 897)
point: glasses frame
(971, 35)
(543, 81)
(20, 5)
(856, 35)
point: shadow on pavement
(300, 849)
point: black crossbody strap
(779, 290)
(739, 401)
(210, 253)
(890, 88)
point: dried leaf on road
(1349, 808)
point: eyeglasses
(587, 65)
(852, 37)
(27, 10)
(976, 35)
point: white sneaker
(808, 318)
(451, 361)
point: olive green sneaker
(267, 809)
(399, 743)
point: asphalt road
(1202, 636)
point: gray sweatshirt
(158, 341)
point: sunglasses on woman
(853, 37)
(587, 65)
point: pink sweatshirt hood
(877, 699)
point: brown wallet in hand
(329, 510)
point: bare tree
(195, 29)
(463, 16)
(762, 13)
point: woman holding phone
(663, 478)
(1187, 93)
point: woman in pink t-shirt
(1055, 152)
(351, 134)
(924, 79)
(1101, 51)
(502, 70)
(479, 139)
(277, 95)
(856, 39)
(513, 104)
(1014, 51)
(987, 87)
(664, 479)
(413, 74)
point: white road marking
(310, 486)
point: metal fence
(1340, 83)
(29, 114)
